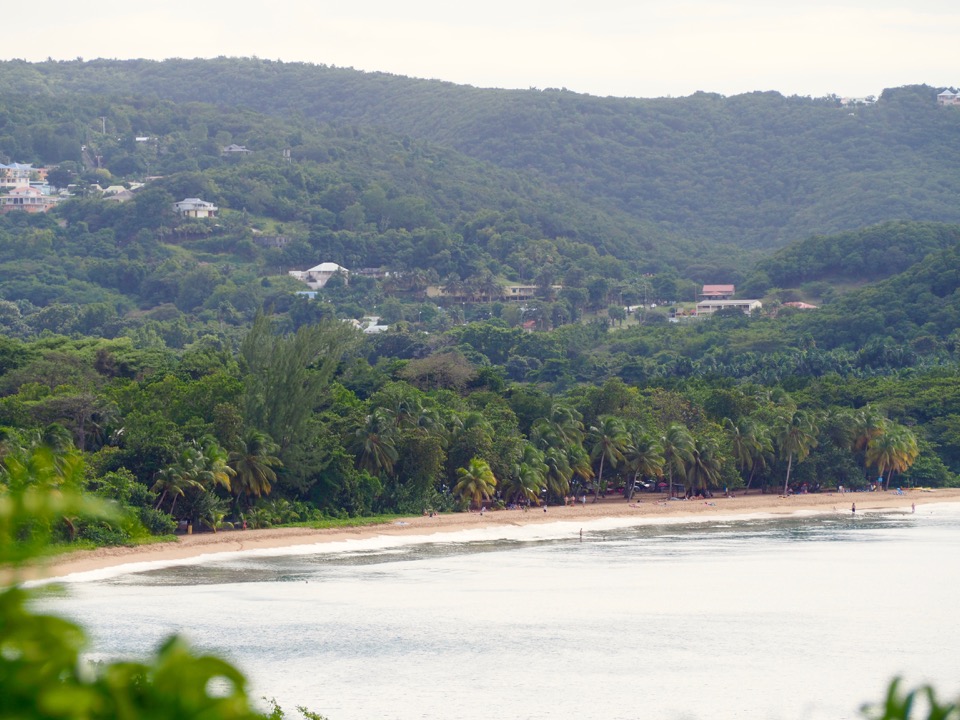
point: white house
(318, 276)
(196, 208)
(709, 307)
(947, 97)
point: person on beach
(853, 509)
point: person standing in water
(853, 508)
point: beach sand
(643, 506)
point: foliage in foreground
(897, 706)
(42, 673)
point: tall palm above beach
(477, 482)
(253, 462)
(608, 440)
(892, 451)
(644, 457)
(796, 437)
(677, 444)
(705, 463)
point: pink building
(717, 292)
(28, 199)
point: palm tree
(892, 451)
(677, 444)
(210, 465)
(528, 479)
(373, 443)
(868, 424)
(644, 457)
(477, 482)
(608, 440)
(562, 426)
(454, 287)
(796, 435)
(174, 481)
(751, 445)
(840, 426)
(560, 436)
(559, 473)
(253, 462)
(489, 286)
(705, 465)
(763, 455)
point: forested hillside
(756, 170)
(178, 359)
(854, 257)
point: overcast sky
(644, 48)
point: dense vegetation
(158, 372)
(754, 170)
(176, 355)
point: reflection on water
(652, 542)
(760, 618)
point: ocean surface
(800, 618)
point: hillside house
(233, 149)
(506, 292)
(20, 175)
(717, 292)
(196, 208)
(27, 198)
(801, 305)
(319, 275)
(709, 307)
(948, 97)
(120, 196)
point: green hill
(859, 256)
(755, 170)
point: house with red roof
(717, 292)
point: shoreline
(643, 508)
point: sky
(644, 48)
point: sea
(800, 618)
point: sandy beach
(645, 506)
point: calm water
(759, 618)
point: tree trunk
(753, 469)
(786, 482)
(596, 492)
